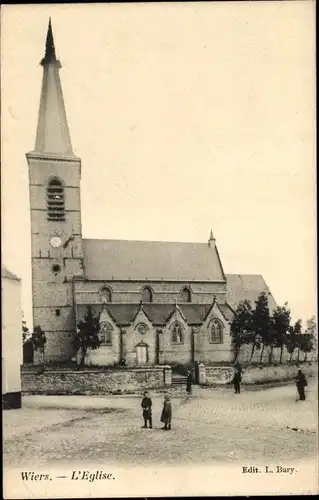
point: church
(157, 302)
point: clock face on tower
(56, 241)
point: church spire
(53, 136)
(49, 55)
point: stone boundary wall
(96, 382)
(245, 355)
(220, 375)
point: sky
(187, 117)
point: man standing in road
(147, 410)
(189, 382)
(301, 383)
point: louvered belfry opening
(55, 200)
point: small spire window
(55, 200)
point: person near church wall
(146, 405)
(237, 379)
(166, 416)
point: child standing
(166, 416)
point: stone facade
(164, 292)
(155, 336)
(69, 271)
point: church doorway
(142, 354)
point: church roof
(247, 286)
(151, 260)
(5, 273)
(158, 314)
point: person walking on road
(301, 383)
(166, 416)
(147, 410)
(189, 382)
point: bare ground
(209, 426)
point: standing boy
(147, 410)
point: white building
(11, 339)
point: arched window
(216, 331)
(105, 333)
(177, 333)
(105, 294)
(55, 200)
(185, 295)
(147, 294)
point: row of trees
(259, 329)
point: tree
(311, 328)
(280, 328)
(39, 340)
(87, 335)
(25, 332)
(261, 322)
(311, 325)
(241, 327)
(292, 341)
(306, 343)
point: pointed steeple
(49, 55)
(211, 241)
(53, 136)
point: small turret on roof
(211, 240)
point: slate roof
(5, 273)
(148, 260)
(158, 314)
(247, 286)
(227, 311)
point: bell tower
(55, 206)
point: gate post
(201, 374)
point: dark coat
(147, 407)
(301, 380)
(237, 376)
(166, 416)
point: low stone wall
(96, 382)
(280, 373)
(219, 375)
